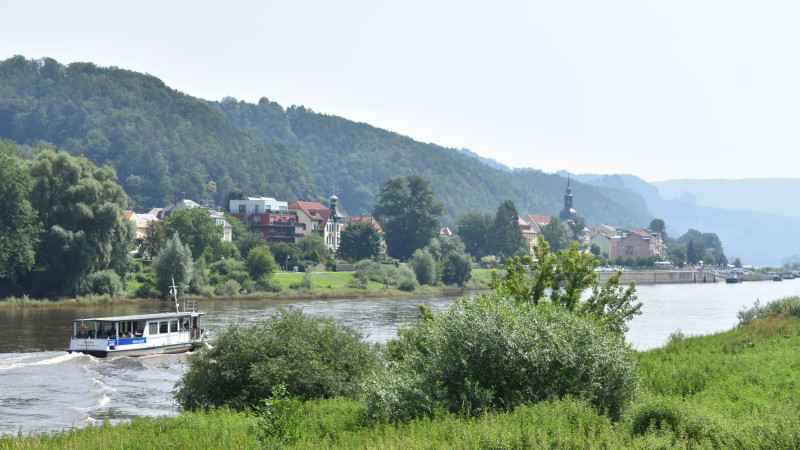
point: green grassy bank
(324, 285)
(738, 389)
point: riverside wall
(663, 277)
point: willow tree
(81, 208)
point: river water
(43, 388)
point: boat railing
(190, 305)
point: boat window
(153, 328)
(173, 326)
(163, 327)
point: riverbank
(663, 277)
(325, 286)
(732, 389)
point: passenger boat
(139, 334)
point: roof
(541, 221)
(164, 315)
(314, 210)
(445, 232)
(358, 219)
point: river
(43, 388)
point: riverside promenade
(663, 277)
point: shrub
(229, 287)
(278, 417)
(314, 357)
(656, 414)
(104, 282)
(424, 267)
(490, 352)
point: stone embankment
(663, 277)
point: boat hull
(134, 352)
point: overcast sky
(662, 90)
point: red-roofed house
(314, 217)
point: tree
(155, 237)
(19, 232)
(659, 226)
(313, 247)
(359, 241)
(474, 229)
(453, 262)
(174, 262)
(198, 230)
(249, 241)
(286, 254)
(408, 213)
(737, 263)
(567, 274)
(312, 356)
(81, 208)
(424, 267)
(577, 225)
(506, 234)
(692, 255)
(260, 263)
(555, 234)
(677, 255)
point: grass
(738, 389)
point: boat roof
(163, 315)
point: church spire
(568, 212)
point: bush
(229, 287)
(312, 356)
(494, 353)
(105, 282)
(278, 417)
(424, 267)
(656, 414)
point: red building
(277, 226)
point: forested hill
(160, 141)
(353, 159)
(163, 142)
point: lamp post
(287, 262)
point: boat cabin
(137, 335)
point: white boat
(139, 334)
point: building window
(255, 209)
(257, 219)
(242, 209)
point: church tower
(568, 212)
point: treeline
(160, 141)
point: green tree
(312, 356)
(506, 234)
(475, 229)
(286, 255)
(692, 254)
(260, 263)
(408, 213)
(154, 239)
(19, 232)
(359, 241)
(555, 234)
(249, 241)
(453, 262)
(80, 207)
(577, 225)
(737, 263)
(198, 230)
(424, 266)
(174, 262)
(313, 247)
(567, 274)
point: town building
(267, 216)
(314, 217)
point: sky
(662, 90)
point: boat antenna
(174, 291)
